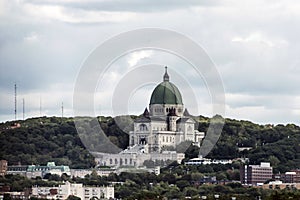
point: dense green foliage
(166, 185)
(40, 140)
(278, 144)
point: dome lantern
(166, 75)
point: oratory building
(167, 124)
(157, 133)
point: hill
(40, 140)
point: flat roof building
(256, 174)
(75, 189)
(3, 167)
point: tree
(181, 184)
(192, 152)
(190, 191)
(274, 161)
(72, 197)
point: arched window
(143, 127)
(143, 140)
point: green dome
(166, 93)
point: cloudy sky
(254, 45)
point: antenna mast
(15, 101)
(62, 109)
(23, 109)
(40, 106)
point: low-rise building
(292, 176)
(206, 161)
(75, 189)
(33, 171)
(256, 174)
(3, 167)
(280, 185)
(135, 157)
(81, 173)
(37, 170)
(17, 169)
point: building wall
(17, 169)
(117, 160)
(162, 109)
(33, 171)
(279, 185)
(3, 167)
(63, 191)
(83, 172)
(256, 174)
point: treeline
(277, 144)
(169, 184)
(40, 140)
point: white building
(84, 172)
(157, 133)
(207, 161)
(167, 124)
(135, 158)
(63, 191)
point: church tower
(172, 118)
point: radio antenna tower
(23, 109)
(62, 109)
(15, 101)
(40, 106)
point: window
(143, 127)
(132, 140)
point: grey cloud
(270, 77)
(129, 5)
